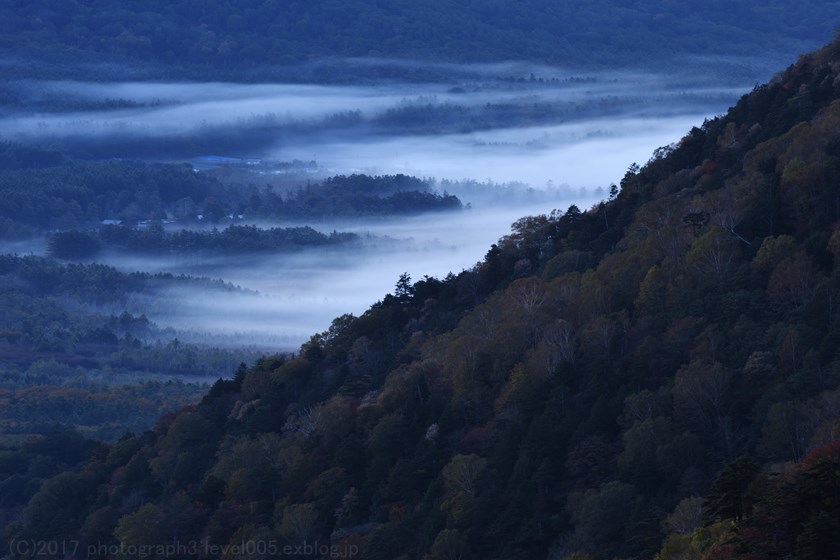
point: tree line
(74, 194)
(225, 35)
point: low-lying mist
(298, 294)
(567, 135)
(536, 128)
(585, 154)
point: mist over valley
(504, 142)
(504, 128)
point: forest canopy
(229, 35)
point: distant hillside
(657, 375)
(236, 34)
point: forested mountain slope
(662, 368)
(241, 34)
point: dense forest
(656, 376)
(154, 240)
(43, 193)
(71, 354)
(234, 35)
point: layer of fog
(187, 105)
(602, 124)
(588, 154)
(300, 293)
(597, 124)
